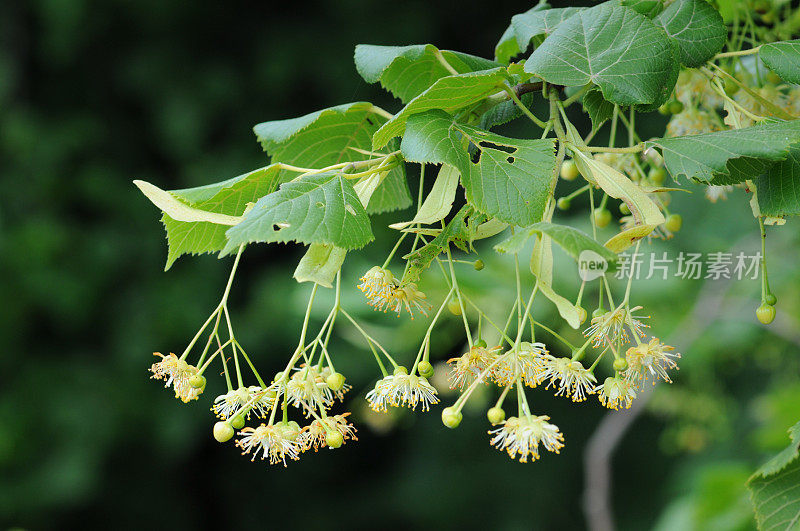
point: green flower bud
(454, 306)
(766, 313)
(770, 299)
(496, 415)
(334, 439)
(451, 418)
(335, 381)
(425, 369)
(237, 421)
(243, 394)
(602, 217)
(400, 370)
(563, 203)
(673, 223)
(620, 364)
(223, 432)
(197, 381)
(569, 171)
(478, 265)
(624, 210)
(675, 107)
(657, 176)
(599, 312)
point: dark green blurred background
(94, 94)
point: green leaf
(321, 208)
(778, 191)
(783, 58)
(449, 94)
(729, 157)
(505, 112)
(697, 29)
(539, 23)
(327, 137)
(648, 8)
(598, 107)
(621, 51)
(455, 231)
(407, 71)
(511, 178)
(229, 197)
(775, 487)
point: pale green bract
(572, 240)
(322, 208)
(621, 51)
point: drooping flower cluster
(650, 362)
(523, 435)
(179, 374)
(402, 389)
(386, 293)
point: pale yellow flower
(523, 435)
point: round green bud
(581, 314)
(400, 370)
(335, 381)
(237, 421)
(766, 313)
(278, 376)
(425, 369)
(624, 210)
(563, 203)
(569, 171)
(602, 217)
(496, 415)
(675, 107)
(480, 343)
(197, 381)
(599, 312)
(664, 109)
(620, 364)
(451, 417)
(657, 176)
(770, 299)
(334, 439)
(454, 306)
(478, 265)
(673, 223)
(223, 432)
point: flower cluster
(386, 293)
(401, 389)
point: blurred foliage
(96, 93)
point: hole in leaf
(510, 160)
(320, 204)
(279, 226)
(370, 122)
(498, 147)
